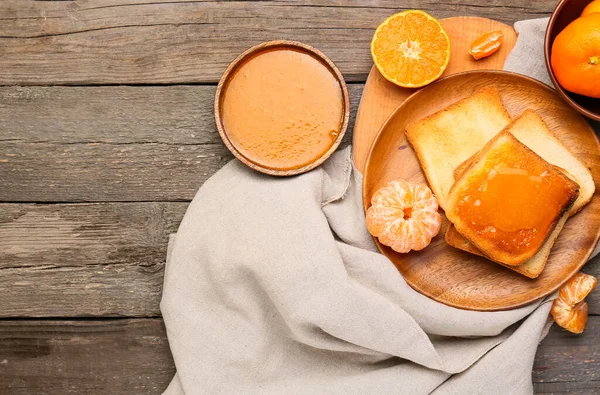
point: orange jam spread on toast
(283, 109)
(514, 200)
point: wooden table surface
(107, 131)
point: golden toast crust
(448, 137)
(557, 154)
(553, 151)
(504, 144)
(531, 268)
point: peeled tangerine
(569, 310)
(404, 216)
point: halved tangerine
(404, 216)
(411, 49)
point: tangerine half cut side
(411, 49)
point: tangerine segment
(570, 318)
(487, 44)
(577, 288)
(404, 216)
(411, 49)
(569, 310)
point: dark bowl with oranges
(572, 50)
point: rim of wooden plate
(367, 204)
(253, 51)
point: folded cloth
(273, 286)
(527, 57)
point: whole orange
(575, 56)
(594, 6)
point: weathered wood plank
(111, 114)
(43, 172)
(84, 357)
(569, 363)
(66, 144)
(101, 259)
(132, 356)
(149, 42)
(84, 259)
(146, 42)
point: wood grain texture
(106, 172)
(67, 144)
(128, 356)
(132, 356)
(165, 42)
(109, 114)
(381, 97)
(567, 363)
(455, 277)
(78, 260)
(150, 42)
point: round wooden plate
(458, 278)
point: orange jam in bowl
(282, 108)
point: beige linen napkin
(274, 286)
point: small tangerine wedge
(570, 310)
(591, 8)
(404, 216)
(411, 49)
(487, 44)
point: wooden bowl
(270, 45)
(565, 13)
(452, 276)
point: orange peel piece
(404, 216)
(569, 310)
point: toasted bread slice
(531, 268)
(444, 140)
(530, 129)
(509, 201)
